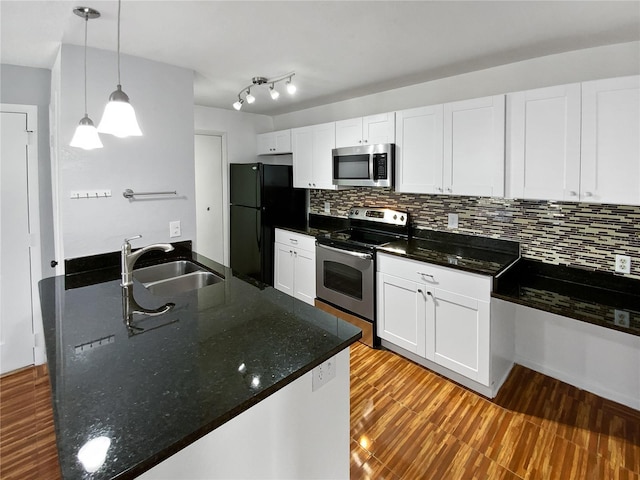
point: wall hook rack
(128, 193)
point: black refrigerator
(262, 197)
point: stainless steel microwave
(364, 165)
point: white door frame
(34, 223)
(225, 190)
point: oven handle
(364, 256)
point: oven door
(346, 279)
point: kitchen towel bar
(128, 193)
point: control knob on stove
(357, 212)
(402, 218)
(395, 217)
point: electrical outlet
(323, 373)
(452, 220)
(174, 229)
(621, 318)
(623, 264)
(327, 207)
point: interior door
(16, 308)
(209, 197)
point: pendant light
(119, 118)
(86, 135)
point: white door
(349, 132)
(302, 143)
(401, 313)
(20, 257)
(209, 197)
(379, 128)
(419, 150)
(544, 143)
(610, 168)
(305, 276)
(474, 147)
(324, 140)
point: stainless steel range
(345, 264)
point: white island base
(296, 433)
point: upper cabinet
(576, 142)
(312, 156)
(274, 143)
(365, 130)
(454, 149)
(474, 147)
(610, 161)
(543, 143)
(419, 150)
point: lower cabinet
(295, 265)
(441, 315)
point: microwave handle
(364, 256)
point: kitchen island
(149, 391)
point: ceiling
(338, 49)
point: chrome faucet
(128, 258)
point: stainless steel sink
(183, 283)
(179, 276)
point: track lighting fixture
(119, 117)
(257, 81)
(86, 136)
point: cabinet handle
(290, 252)
(359, 141)
(294, 241)
(426, 275)
(588, 194)
(420, 291)
(449, 189)
(430, 294)
(572, 193)
(439, 189)
(366, 141)
(309, 184)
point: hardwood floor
(27, 435)
(407, 423)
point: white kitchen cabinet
(610, 160)
(474, 147)
(419, 150)
(312, 158)
(402, 312)
(441, 315)
(274, 143)
(543, 143)
(370, 130)
(452, 149)
(295, 265)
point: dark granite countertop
(319, 224)
(151, 392)
(486, 256)
(599, 298)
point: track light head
(291, 88)
(273, 92)
(250, 98)
(238, 105)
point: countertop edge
(167, 452)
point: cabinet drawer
(458, 281)
(298, 240)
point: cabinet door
(324, 140)
(543, 139)
(266, 144)
(401, 313)
(419, 150)
(474, 147)
(283, 275)
(458, 334)
(610, 167)
(282, 141)
(302, 143)
(305, 276)
(349, 132)
(379, 128)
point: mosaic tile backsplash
(577, 234)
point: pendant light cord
(86, 23)
(119, 3)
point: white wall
(31, 86)
(600, 360)
(240, 130)
(162, 159)
(588, 64)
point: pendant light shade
(86, 135)
(119, 118)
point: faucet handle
(126, 240)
